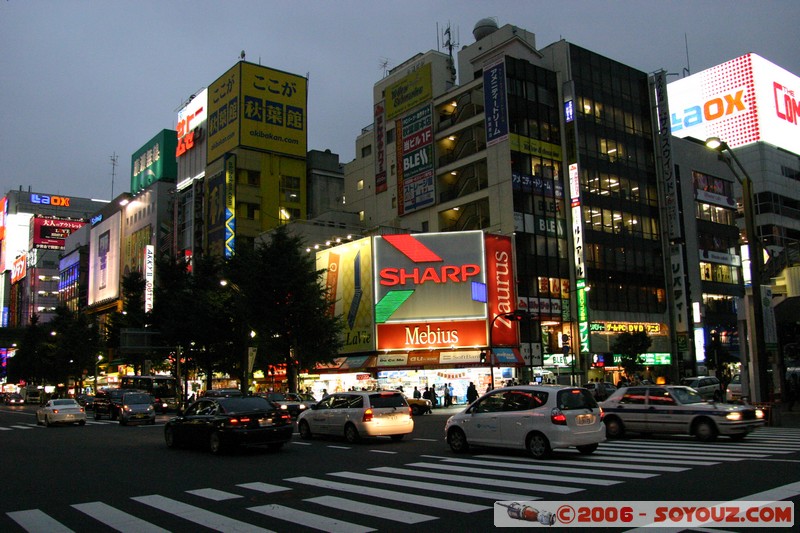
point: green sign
(649, 359)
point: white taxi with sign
(537, 418)
(676, 409)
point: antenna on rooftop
(114, 158)
(384, 66)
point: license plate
(263, 422)
(585, 420)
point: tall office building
(554, 145)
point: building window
(366, 151)
(290, 189)
(361, 216)
(248, 211)
(360, 185)
(253, 177)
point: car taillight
(558, 418)
(55, 411)
(286, 417)
(602, 414)
(367, 415)
(410, 412)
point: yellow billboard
(411, 91)
(257, 107)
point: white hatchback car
(538, 418)
(356, 414)
(61, 411)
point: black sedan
(224, 423)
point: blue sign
(495, 102)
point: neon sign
(44, 199)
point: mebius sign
(440, 290)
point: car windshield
(277, 397)
(394, 399)
(575, 399)
(137, 399)
(686, 396)
(239, 405)
(737, 379)
(63, 402)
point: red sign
(500, 286)
(20, 268)
(428, 335)
(50, 233)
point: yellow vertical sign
(230, 205)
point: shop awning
(358, 363)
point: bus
(163, 388)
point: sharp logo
(786, 106)
(712, 109)
(418, 276)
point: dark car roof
(233, 404)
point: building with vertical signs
(555, 146)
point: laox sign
(44, 199)
(712, 109)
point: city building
(555, 146)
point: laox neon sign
(49, 200)
(712, 109)
(790, 110)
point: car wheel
(539, 446)
(46, 421)
(38, 422)
(305, 430)
(397, 438)
(122, 422)
(215, 443)
(152, 422)
(82, 423)
(614, 427)
(586, 449)
(351, 433)
(113, 415)
(705, 430)
(415, 410)
(169, 437)
(457, 440)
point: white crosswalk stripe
(359, 501)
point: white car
(66, 411)
(538, 418)
(733, 392)
(676, 409)
(357, 414)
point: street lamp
(96, 364)
(754, 249)
(515, 316)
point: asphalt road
(105, 477)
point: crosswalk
(33, 425)
(390, 498)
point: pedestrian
(452, 396)
(472, 393)
(417, 393)
(792, 390)
(427, 393)
(448, 400)
(433, 396)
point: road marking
(214, 494)
(494, 482)
(340, 447)
(263, 487)
(387, 513)
(309, 520)
(117, 519)
(539, 467)
(383, 451)
(35, 521)
(593, 462)
(299, 443)
(393, 495)
(23, 427)
(5, 429)
(198, 515)
(426, 440)
(435, 487)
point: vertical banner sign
(664, 153)
(380, 145)
(500, 284)
(495, 102)
(149, 276)
(416, 153)
(230, 205)
(578, 255)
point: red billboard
(50, 233)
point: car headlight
(759, 413)
(303, 406)
(735, 415)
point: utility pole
(114, 158)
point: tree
(630, 346)
(279, 297)
(76, 345)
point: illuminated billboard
(190, 117)
(430, 290)
(155, 161)
(104, 260)
(257, 107)
(416, 187)
(50, 233)
(745, 100)
(348, 280)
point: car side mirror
(314, 406)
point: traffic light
(483, 357)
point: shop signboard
(741, 101)
(51, 233)
(430, 290)
(155, 161)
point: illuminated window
(360, 185)
(361, 216)
(290, 189)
